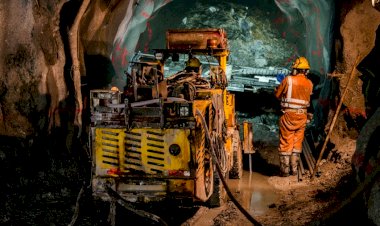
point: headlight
(184, 111)
(174, 149)
(104, 96)
(159, 56)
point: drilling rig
(160, 137)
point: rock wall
(31, 66)
(356, 35)
(35, 83)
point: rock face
(37, 90)
(356, 38)
(251, 34)
(254, 41)
(35, 81)
(366, 165)
(23, 68)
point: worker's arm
(280, 88)
(310, 109)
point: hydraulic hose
(124, 203)
(219, 170)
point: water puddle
(254, 192)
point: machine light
(184, 111)
(185, 173)
(159, 56)
(104, 96)
(114, 172)
(174, 149)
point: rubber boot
(294, 158)
(284, 165)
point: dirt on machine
(155, 139)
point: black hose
(219, 170)
(124, 203)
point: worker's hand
(309, 117)
(280, 77)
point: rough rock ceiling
(38, 43)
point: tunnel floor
(37, 195)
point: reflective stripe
(290, 102)
(296, 151)
(289, 105)
(290, 88)
(295, 101)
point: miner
(193, 64)
(294, 93)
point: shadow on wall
(99, 71)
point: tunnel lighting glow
(159, 56)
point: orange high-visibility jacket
(294, 93)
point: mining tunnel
(96, 130)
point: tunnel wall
(31, 66)
(355, 37)
(32, 81)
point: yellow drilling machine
(161, 136)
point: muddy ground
(35, 195)
(326, 200)
(329, 199)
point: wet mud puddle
(254, 192)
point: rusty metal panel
(195, 38)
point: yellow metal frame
(119, 152)
(140, 149)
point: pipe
(299, 174)
(307, 146)
(250, 163)
(309, 165)
(309, 155)
(308, 161)
(301, 166)
(307, 152)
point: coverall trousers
(292, 128)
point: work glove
(280, 77)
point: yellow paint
(181, 186)
(223, 60)
(147, 150)
(229, 108)
(144, 149)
